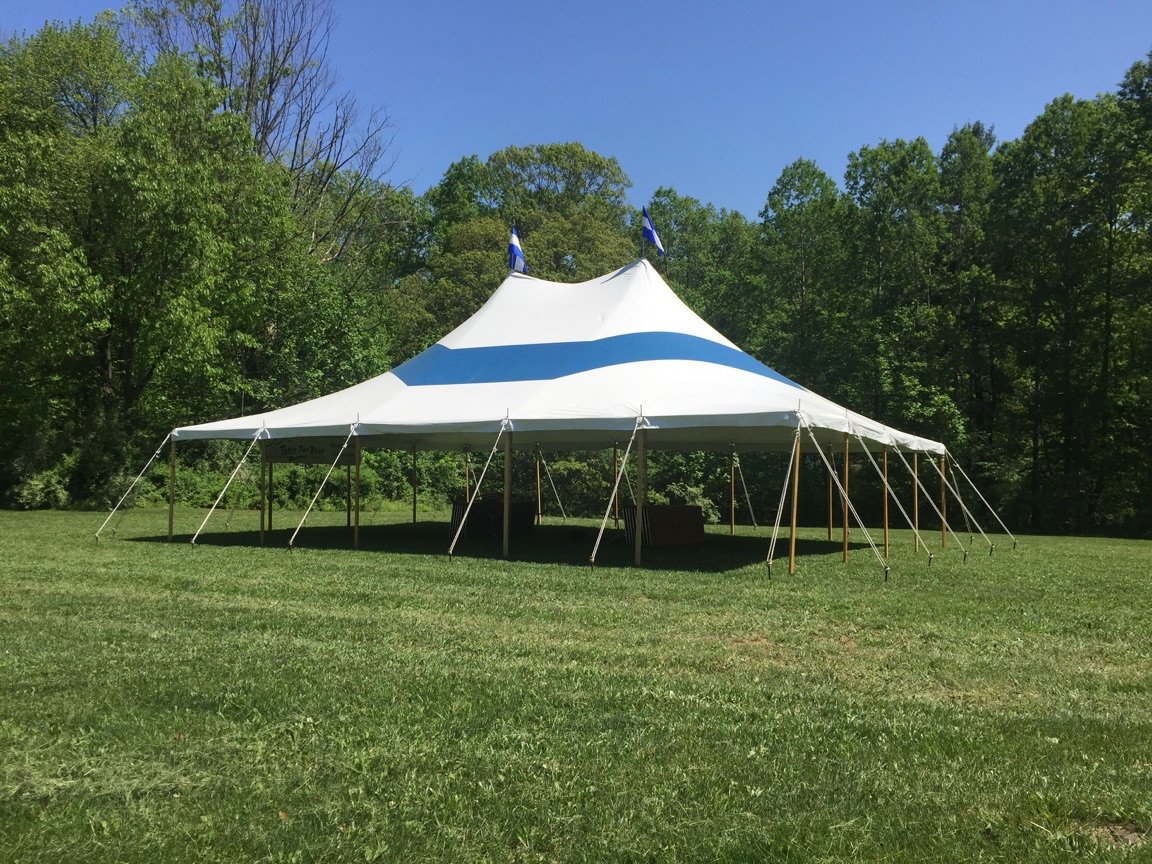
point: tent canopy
(573, 366)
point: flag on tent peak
(650, 233)
(516, 260)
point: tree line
(194, 224)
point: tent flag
(650, 233)
(516, 261)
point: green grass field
(228, 702)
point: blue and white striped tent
(573, 366)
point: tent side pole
(615, 486)
(539, 497)
(347, 496)
(271, 465)
(844, 499)
(171, 487)
(916, 499)
(356, 525)
(886, 548)
(641, 494)
(943, 506)
(732, 493)
(263, 492)
(414, 481)
(795, 498)
(507, 494)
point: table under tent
(615, 362)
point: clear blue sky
(711, 99)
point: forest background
(195, 224)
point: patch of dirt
(1118, 835)
(760, 648)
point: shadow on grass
(544, 544)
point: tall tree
(897, 237)
(270, 61)
(1067, 250)
(805, 255)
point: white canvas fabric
(573, 366)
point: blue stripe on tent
(548, 360)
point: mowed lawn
(228, 702)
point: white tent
(573, 366)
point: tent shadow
(562, 544)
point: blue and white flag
(650, 233)
(516, 261)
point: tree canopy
(193, 224)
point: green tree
(804, 255)
(1069, 252)
(897, 235)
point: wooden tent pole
(943, 504)
(507, 493)
(732, 493)
(271, 496)
(795, 498)
(171, 487)
(641, 494)
(844, 501)
(916, 498)
(886, 505)
(347, 496)
(356, 526)
(539, 498)
(263, 493)
(615, 485)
